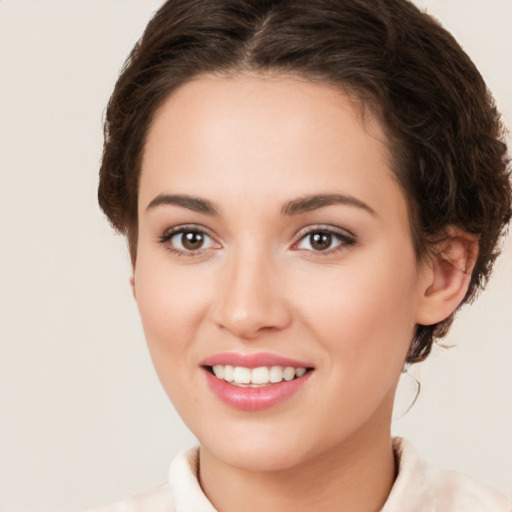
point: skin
(250, 145)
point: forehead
(259, 133)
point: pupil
(192, 240)
(321, 241)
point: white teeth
(242, 375)
(260, 375)
(276, 374)
(254, 377)
(218, 371)
(289, 373)
(228, 373)
(299, 372)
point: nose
(250, 297)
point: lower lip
(255, 399)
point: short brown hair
(445, 135)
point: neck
(356, 476)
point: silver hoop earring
(407, 393)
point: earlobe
(447, 276)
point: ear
(132, 284)
(447, 275)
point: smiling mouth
(261, 376)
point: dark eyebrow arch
(191, 203)
(314, 202)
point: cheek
(170, 308)
(171, 303)
(364, 323)
(365, 312)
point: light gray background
(83, 420)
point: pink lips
(253, 360)
(258, 398)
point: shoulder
(422, 487)
(158, 500)
(181, 493)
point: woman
(309, 190)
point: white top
(419, 487)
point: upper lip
(253, 360)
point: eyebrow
(191, 203)
(294, 207)
(314, 202)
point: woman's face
(273, 235)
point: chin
(261, 447)
(262, 457)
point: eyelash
(168, 235)
(344, 240)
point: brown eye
(324, 241)
(188, 241)
(192, 240)
(320, 241)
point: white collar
(419, 487)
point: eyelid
(168, 234)
(346, 237)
